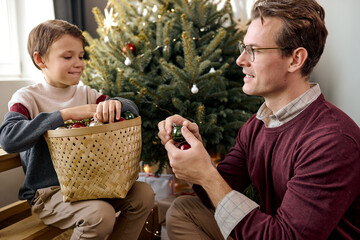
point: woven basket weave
(96, 162)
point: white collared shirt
(289, 111)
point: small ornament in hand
(178, 137)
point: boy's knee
(98, 222)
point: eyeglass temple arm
(255, 48)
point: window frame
(11, 67)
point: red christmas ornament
(184, 146)
(78, 125)
(130, 46)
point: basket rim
(94, 129)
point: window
(9, 51)
(242, 8)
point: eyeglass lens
(248, 49)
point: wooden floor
(64, 236)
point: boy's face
(63, 64)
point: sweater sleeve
(18, 107)
(18, 133)
(234, 206)
(233, 169)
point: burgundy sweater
(307, 173)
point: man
(301, 153)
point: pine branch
(188, 8)
(195, 71)
(99, 18)
(119, 80)
(179, 74)
(214, 43)
(200, 114)
(187, 51)
(202, 10)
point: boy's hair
(303, 26)
(46, 33)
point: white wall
(338, 71)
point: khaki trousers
(189, 219)
(96, 219)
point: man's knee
(144, 195)
(178, 209)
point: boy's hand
(108, 111)
(78, 112)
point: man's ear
(298, 58)
(38, 60)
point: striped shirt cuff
(231, 210)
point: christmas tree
(172, 57)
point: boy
(57, 49)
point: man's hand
(192, 165)
(166, 126)
(195, 166)
(108, 111)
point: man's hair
(303, 26)
(46, 33)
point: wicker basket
(96, 162)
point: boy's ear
(298, 58)
(38, 60)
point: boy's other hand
(108, 111)
(78, 112)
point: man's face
(64, 62)
(267, 75)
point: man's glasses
(250, 51)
